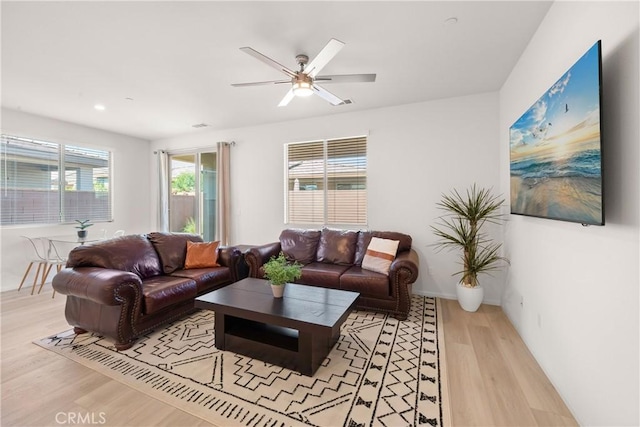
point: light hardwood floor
(493, 379)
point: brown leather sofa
(124, 287)
(333, 259)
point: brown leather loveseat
(124, 287)
(334, 259)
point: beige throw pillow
(380, 254)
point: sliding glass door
(192, 198)
(208, 195)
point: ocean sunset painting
(556, 156)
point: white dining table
(56, 243)
(69, 238)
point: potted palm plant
(279, 272)
(82, 227)
(462, 228)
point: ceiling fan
(304, 82)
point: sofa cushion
(164, 291)
(337, 246)
(364, 237)
(172, 248)
(322, 274)
(201, 255)
(380, 254)
(133, 253)
(367, 283)
(206, 278)
(299, 245)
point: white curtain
(223, 225)
(163, 190)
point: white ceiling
(161, 67)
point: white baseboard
(448, 296)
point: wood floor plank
(540, 393)
(504, 395)
(545, 418)
(468, 403)
(514, 386)
(457, 331)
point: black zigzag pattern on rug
(381, 372)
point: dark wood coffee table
(296, 331)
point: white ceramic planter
(469, 298)
(278, 290)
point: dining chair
(37, 256)
(53, 258)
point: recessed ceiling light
(451, 21)
(99, 107)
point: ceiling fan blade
(326, 95)
(270, 62)
(326, 54)
(269, 82)
(287, 98)
(347, 78)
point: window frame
(325, 182)
(63, 150)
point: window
(193, 193)
(48, 183)
(327, 182)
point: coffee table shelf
(275, 336)
(272, 344)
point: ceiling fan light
(302, 89)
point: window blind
(326, 182)
(47, 183)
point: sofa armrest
(258, 255)
(405, 266)
(402, 273)
(229, 256)
(101, 285)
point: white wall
(580, 285)
(415, 152)
(130, 185)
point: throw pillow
(380, 254)
(299, 245)
(201, 255)
(172, 248)
(337, 246)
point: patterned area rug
(381, 372)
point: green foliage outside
(99, 186)
(190, 226)
(185, 182)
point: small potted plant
(279, 271)
(461, 228)
(82, 228)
